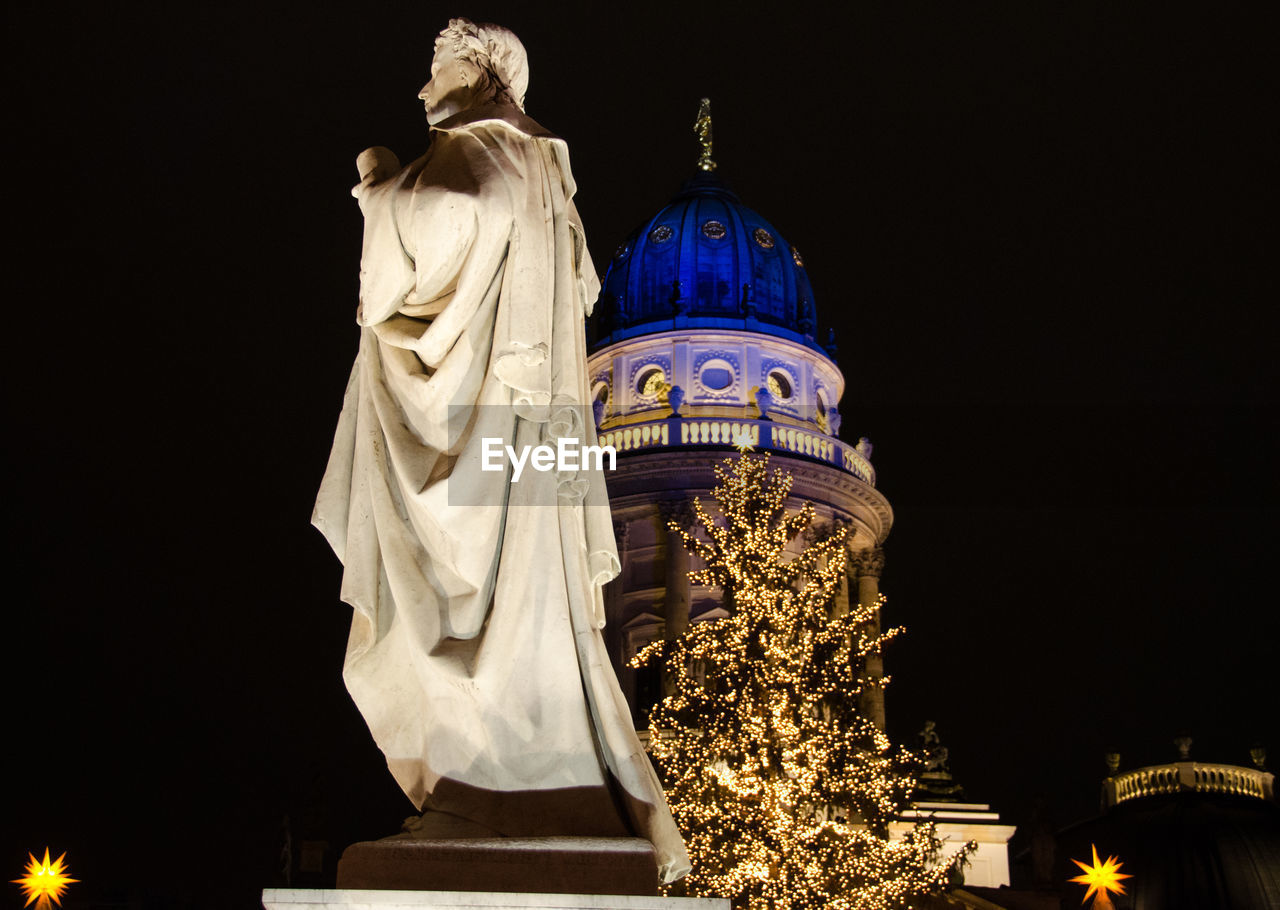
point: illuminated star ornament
(1102, 878)
(45, 881)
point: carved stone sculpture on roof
(475, 653)
(935, 781)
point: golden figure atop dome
(702, 127)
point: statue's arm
(421, 231)
(461, 230)
(386, 267)
(375, 165)
(416, 272)
(446, 230)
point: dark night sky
(1038, 230)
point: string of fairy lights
(783, 790)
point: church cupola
(705, 334)
(704, 341)
(705, 260)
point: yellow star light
(44, 880)
(1101, 877)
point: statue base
(295, 899)
(541, 865)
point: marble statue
(1182, 743)
(475, 653)
(935, 778)
(763, 401)
(675, 399)
(834, 419)
(1258, 755)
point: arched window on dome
(658, 287)
(717, 276)
(768, 282)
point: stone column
(677, 564)
(866, 566)
(840, 606)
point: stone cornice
(642, 478)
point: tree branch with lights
(783, 790)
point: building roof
(705, 260)
(1186, 849)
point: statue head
(474, 65)
(1182, 743)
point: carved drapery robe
(475, 653)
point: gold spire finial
(702, 128)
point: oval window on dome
(763, 239)
(795, 254)
(622, 251)
(779, 385)
(714, 229)
(716, 375)
(650, 382)
(661, 234)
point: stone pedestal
(295, 899)
(959, 823)
(577, 865)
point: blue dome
(705, 260)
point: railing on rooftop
(1187, 776)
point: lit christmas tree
(783, 790)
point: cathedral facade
(704, 341)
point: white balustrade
(1190, 776)
(694, 432)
